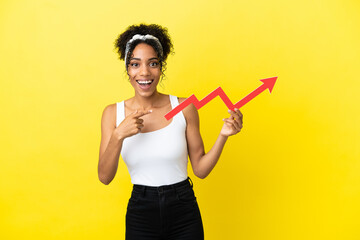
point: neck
(146, 103)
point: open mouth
(144, 84)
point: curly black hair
(153, 29)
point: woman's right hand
(131, 125)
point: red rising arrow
(267, 83)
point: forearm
(208, 161)
(108, 162)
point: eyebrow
(140, 58)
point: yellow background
(293, 172)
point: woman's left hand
(232, 124)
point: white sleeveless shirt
(159, 157)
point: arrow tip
(269, 83)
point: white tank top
(159, 157)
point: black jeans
(167, 212)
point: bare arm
(203, 163)
(110, 147)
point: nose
(144, 71)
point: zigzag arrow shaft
(267, 83)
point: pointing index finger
(138, 114)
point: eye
(154, 64)
(133, 64)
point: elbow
(104, 177)
(201, 175)
(104, 180)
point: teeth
(145, 82)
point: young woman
(155, 150)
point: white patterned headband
(142, 37)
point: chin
(147, 93)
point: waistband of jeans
(186, 182)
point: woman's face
(144, 70)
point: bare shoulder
(109, 115)
(190, 112)
(107, 126)
(110, 109)
(181, 99)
